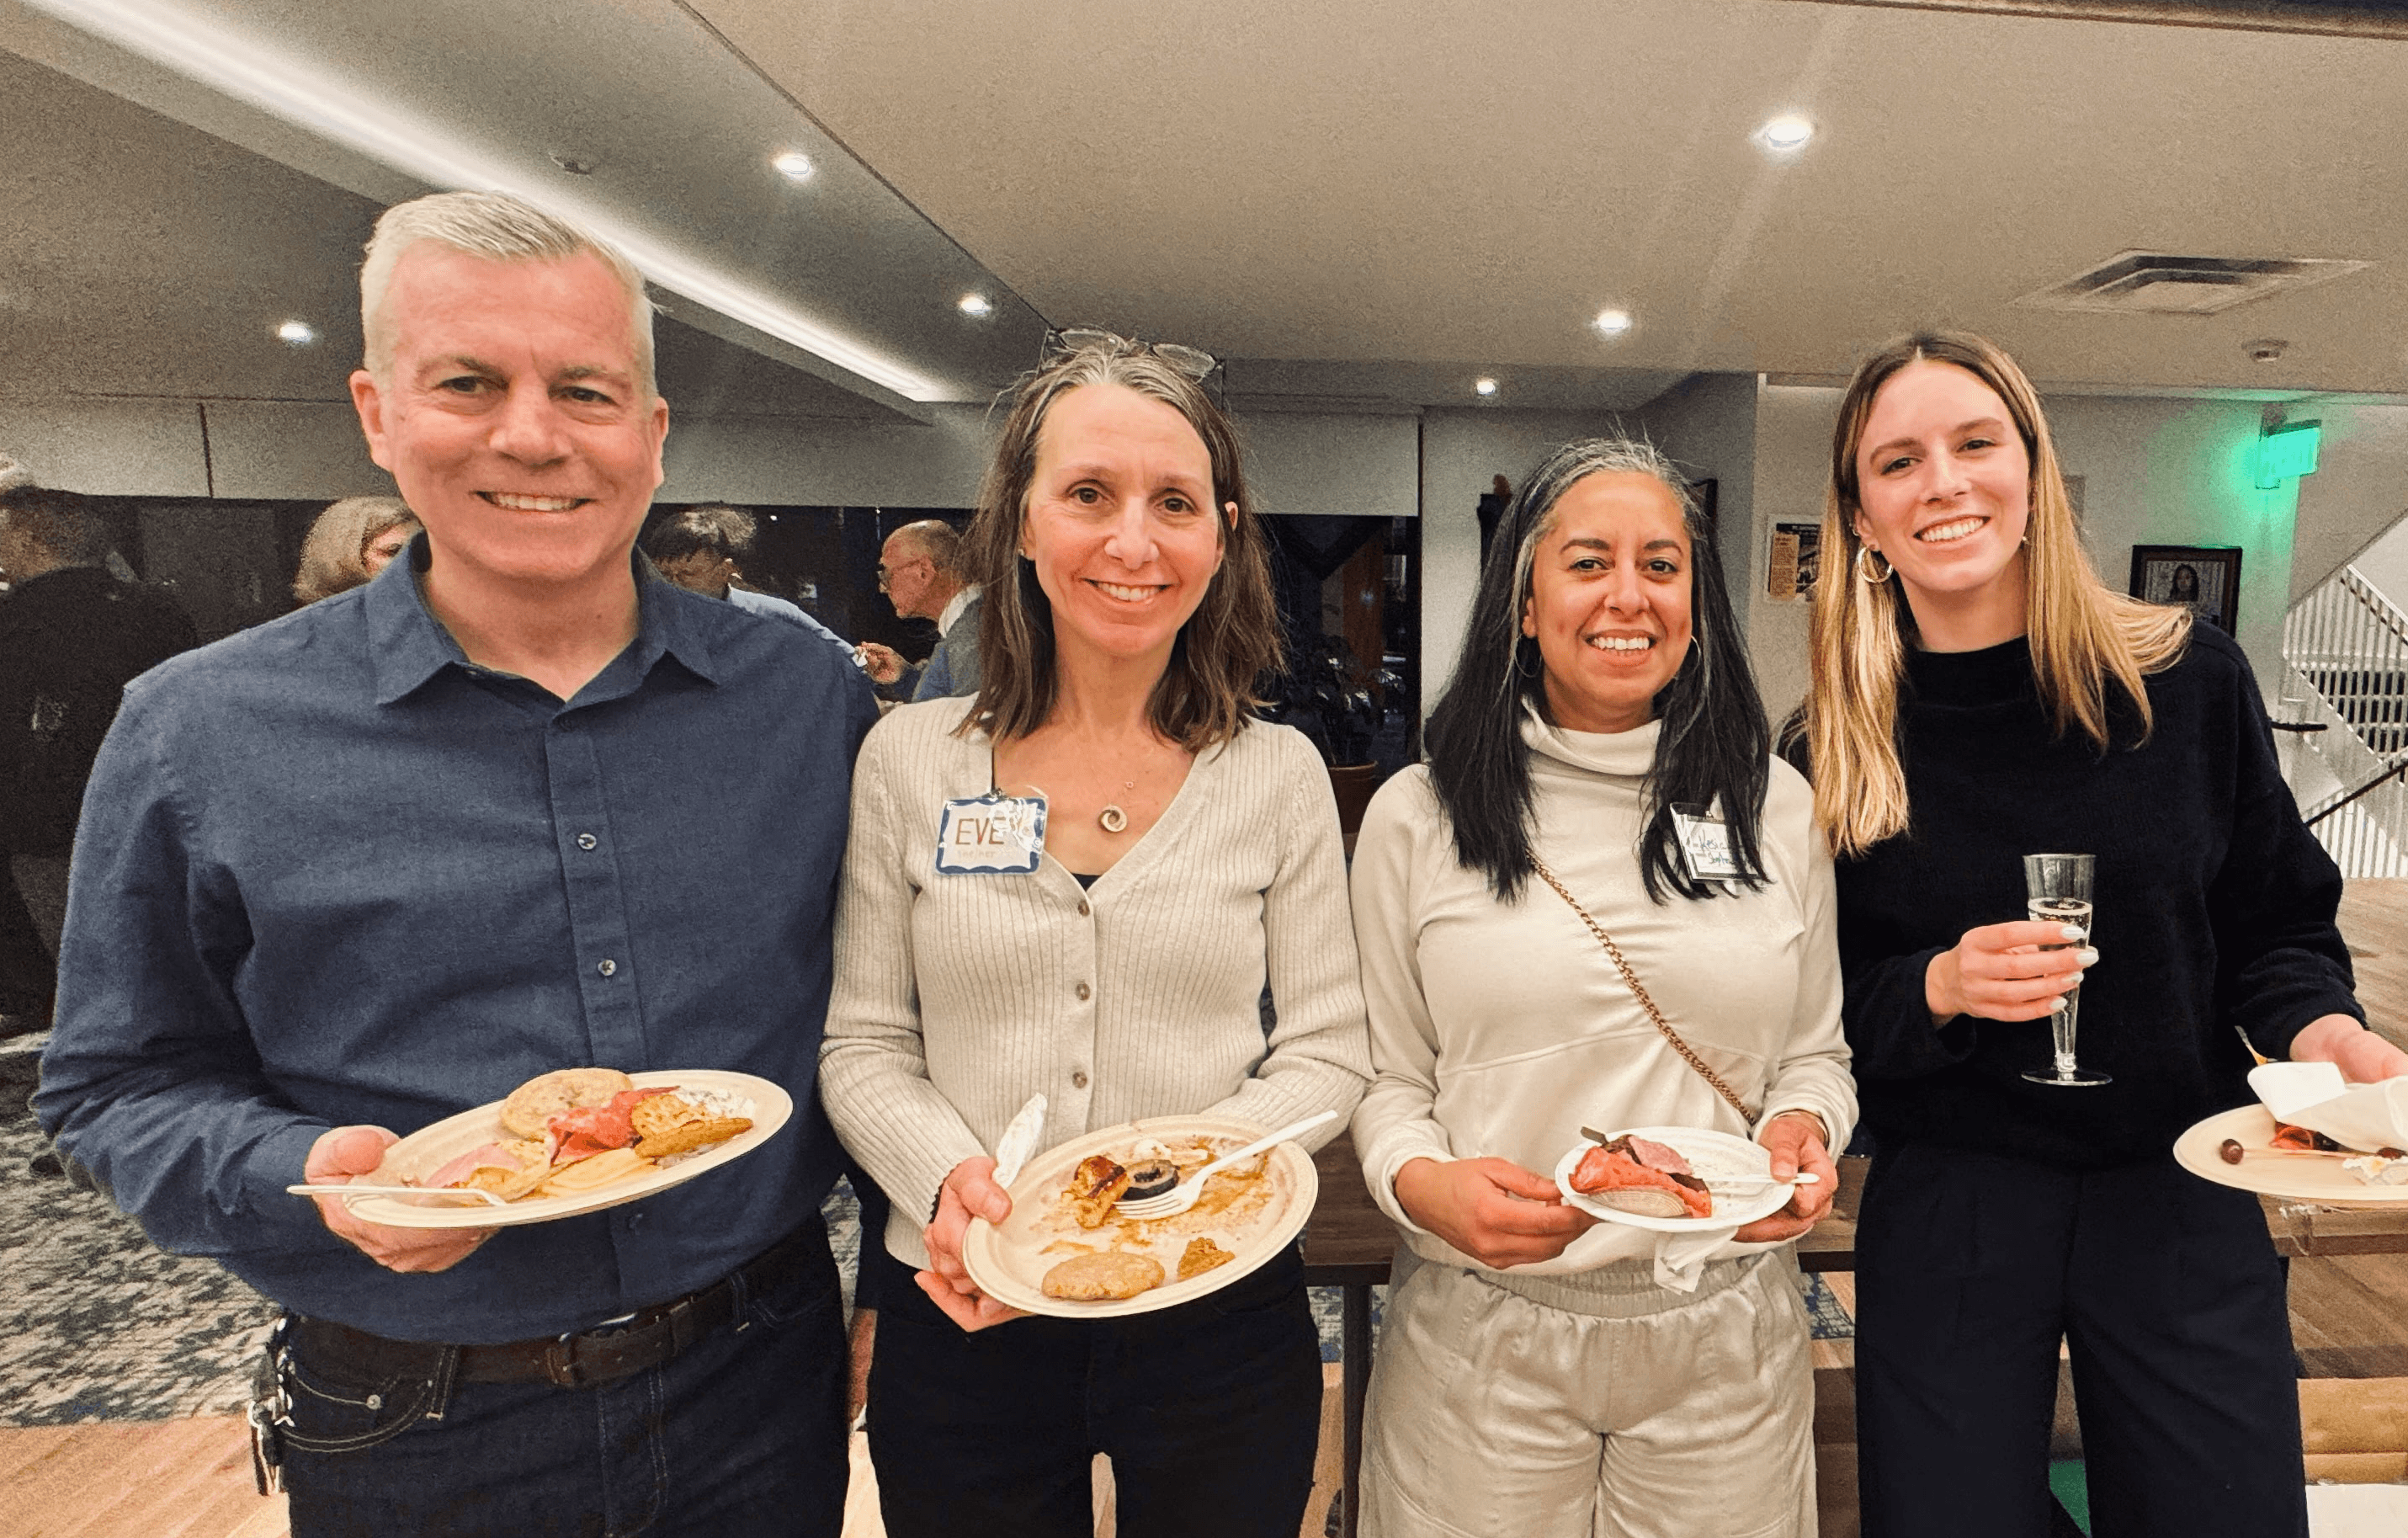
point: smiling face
(1609, 604)
(1119, 522)
(511, 417)
(1943, 490)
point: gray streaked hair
(498, 227)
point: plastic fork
(1183, 1195)
(487, 1198)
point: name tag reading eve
(1705, 843)
(991, 835)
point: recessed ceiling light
(977, 303)
(1484, 386)
(1614, 323)
(1786, 131)
(795, 165)
(299, 333)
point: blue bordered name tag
(991, 835)
(1705, 843)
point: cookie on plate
(532, 1104)
(1202, 1256)
(1103, 1278)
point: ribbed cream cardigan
(957, 998)
(1501, 1029)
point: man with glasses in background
(919, 571)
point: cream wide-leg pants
(1608, 1411)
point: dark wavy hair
(1207, 694)
(1714, 740)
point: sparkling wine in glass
(2057, 890)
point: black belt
(652, 1336)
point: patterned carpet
(98, 1323)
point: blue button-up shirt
(329, 871)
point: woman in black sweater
(1980, 696)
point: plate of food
(573, 1140)
(1069, 1251)
(1671, 1179)
(2249, 1149)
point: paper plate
(1712, 1155)
(1009, 1261)
(2322, 1181)
(430, 1148)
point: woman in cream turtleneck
(1535, 1374)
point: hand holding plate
(346, 1151)
(969, 1192)
(1795, 1144)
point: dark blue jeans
(1210, 1412)
(742, 1435)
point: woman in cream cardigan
(1542, 1372)
(1190, 854)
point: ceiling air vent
(2148, 282)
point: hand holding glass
(2057, 890)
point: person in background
(1190, 853)
(516, 805)
(703, 550)
(72, 636)
(350, 542)
(1542, 1374)
(919, 571)
(1979, 694)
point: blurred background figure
(919, 571)
(352, 542)
(702, 549)
(72, 633)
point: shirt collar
(407, 645)
(954, 606)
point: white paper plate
(1009, 1261)
(1712, 1155)
(2322, 1181)
(430, 1148)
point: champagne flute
(2057, 890)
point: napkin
(1680, 1258)
(2314, 1096)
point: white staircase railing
(2349, 645)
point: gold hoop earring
(1864, 569)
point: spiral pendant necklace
(1113, 819)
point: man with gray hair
(516, 805)
(919, 571)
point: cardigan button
(1083, 909)
(1079, 1080)
(1084, 991)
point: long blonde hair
(334, 555)
(2083, 633)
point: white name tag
(991, 835)
(1705, 843)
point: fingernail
(2087, 958)
(2056, 1004)
(2074, 931)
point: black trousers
(1210, 1412)
(2172, 1303)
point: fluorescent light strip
(298, 96)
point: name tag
(1705, 843)
(991, 835)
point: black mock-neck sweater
(2215, 909)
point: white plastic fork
(1183, 1195)
(485, 1197)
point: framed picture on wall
(2205, 578)
(1795, 557)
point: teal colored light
(2288, 451)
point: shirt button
(586, 841)
(1079, 1080)
(606, 967)
(1083, 909)
(1084, 991)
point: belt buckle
(560, 1365)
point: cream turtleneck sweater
(1499, 1030)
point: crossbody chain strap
(1639, 988)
